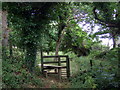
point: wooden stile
(45, 67)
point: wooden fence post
(68, 66)
(91, 64)
(42, 61)
(59, 69)
(59, 62)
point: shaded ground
(53, 82)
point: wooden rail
(49, 62)
(55, 56)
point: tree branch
(102, 22)
(96, 16)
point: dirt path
(53, 82)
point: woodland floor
(53, 82)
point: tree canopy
(56, 28)
(35, 24)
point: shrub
(103, 72)
(15, 75)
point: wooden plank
(55, 56)
(63, 61)
(52, 73)
(50, 62)
(63, 74)
(54, 67)
(58, 67)
(53, 62)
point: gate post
(42, 61)
(59, 69)
(68, 66)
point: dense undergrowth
(102, 74)
(16, 75)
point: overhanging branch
(96, 16)
(102, 22)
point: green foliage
(28, 27)
(30, 22)
(78, 82)
(53, 86)
(108, 14)
(37, 25)
(76, 40)
(104, 7)
(103, 70)
(16, 75)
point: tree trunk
(31, 57)
(113, 38)
(114, 42)
(59, 42)
(5, 33)
(61, 31)
(57, 46)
